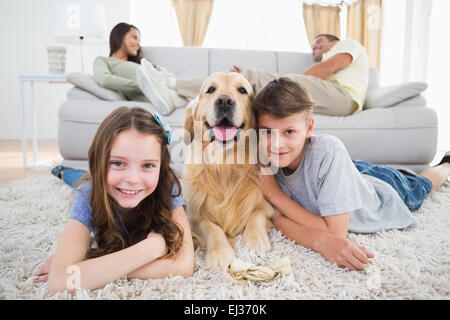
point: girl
(131, 201)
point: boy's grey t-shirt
(328, 183)
(81, 209)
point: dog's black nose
(224, 101)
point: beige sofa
(395, 127)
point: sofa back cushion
(76, 93)
(224, 59)
(185, 63)
(294, 62)
(196, 62)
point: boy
(318, 193)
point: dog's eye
(211, 90)
(242, 90)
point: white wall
(25, 32)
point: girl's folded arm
(182, 265)
(71, 249)
(69, 271)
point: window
(393, 56)
(438, 70)
(238, 24)
(257, 25)
(157, 21)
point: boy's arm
(334, 249)
(183, 264)
(337, 224)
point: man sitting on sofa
(337, 83)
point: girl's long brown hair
(116, 39)
(152, 213)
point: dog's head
(222, 107)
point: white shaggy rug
(408, 264)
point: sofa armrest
(389, 96)
(76, 93)
(417, 101)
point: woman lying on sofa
(122, 71)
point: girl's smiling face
(133, 167)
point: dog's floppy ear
(189, 121)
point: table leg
(24, 125)
(34, 115)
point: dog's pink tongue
(224, 133)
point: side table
(49, 78)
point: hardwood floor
(11, 159)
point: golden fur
(221, 200)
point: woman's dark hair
(116, 39)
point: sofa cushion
(86, 82)
(293, 62)
(222, 60)
(388, 96)
(76, 93)
(417, 101)
(374, 79)
(84, 117)
(191, 64)
(96, 111)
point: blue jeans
(412, 190)
(72, 176)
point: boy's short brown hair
(282, 98)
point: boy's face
(285, 139)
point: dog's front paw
(220, 258)
(256, 240)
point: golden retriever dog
(221, 200)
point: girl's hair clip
(164, 125)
